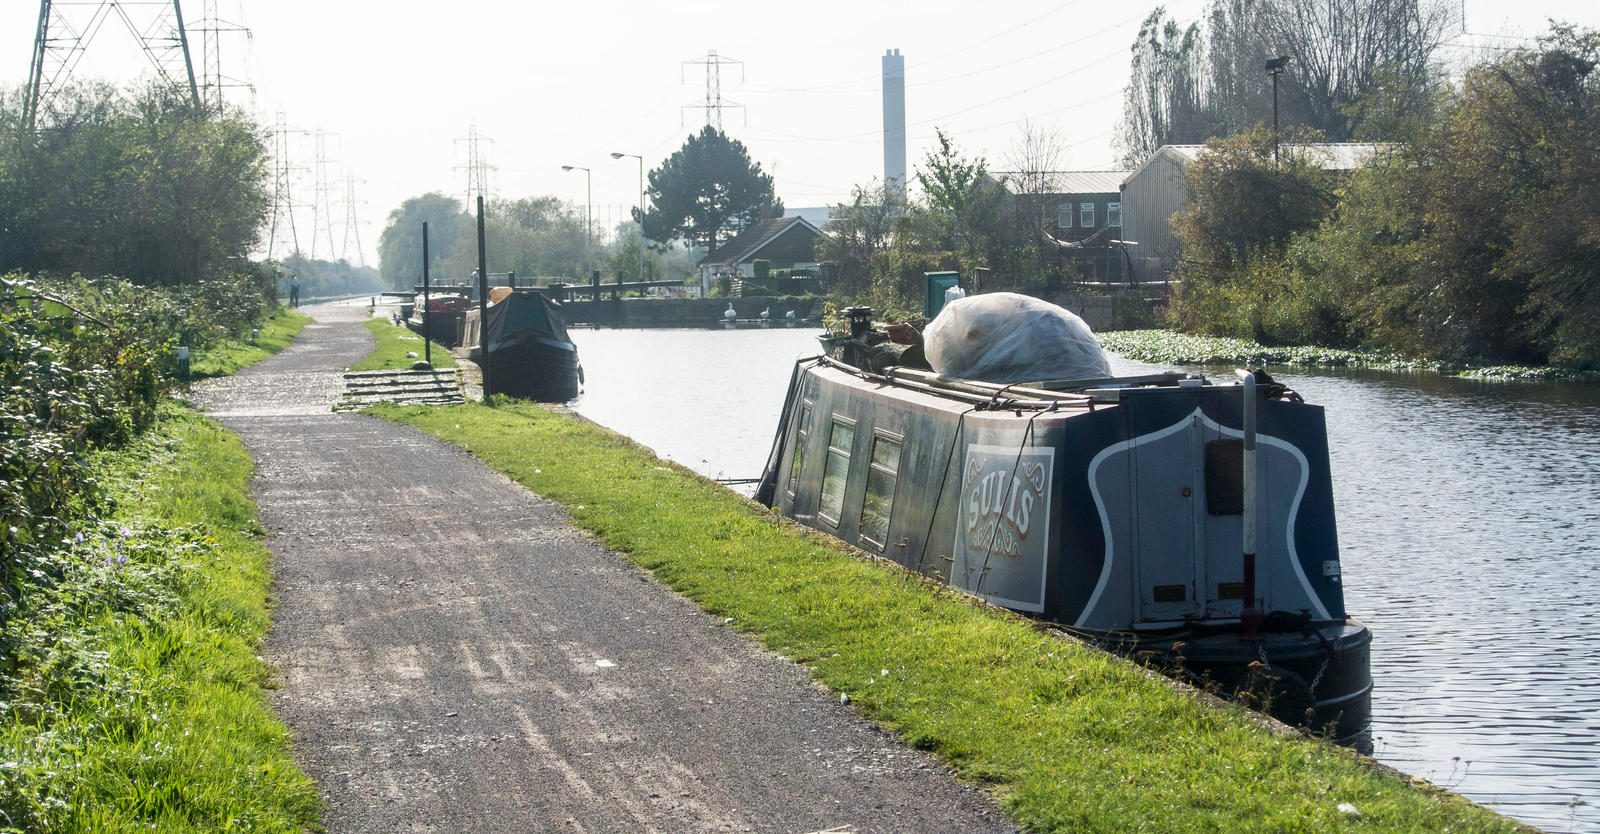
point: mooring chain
(1327, 656)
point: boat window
(801, 436)
(837, 469)
(879, 501)
(1225, 477)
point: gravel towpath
(456, 656)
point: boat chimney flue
(1249, 618)
(860, 319)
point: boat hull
(529, 355)
(440, 321)
(1316, 678)
(533, 368)
(1117, 513)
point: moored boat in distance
(1159, 514)
(439, 317)
(529, 354)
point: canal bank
(456, 656)
(1070, 738)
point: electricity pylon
(283, 204)
(351, 224)
(477, 166)
(322, 212)
(64, 35)
(714, 101)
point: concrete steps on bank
(407, 387)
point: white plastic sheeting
(1005, 337)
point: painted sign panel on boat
(1003, 537)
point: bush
(84, 365)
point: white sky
(566, 84)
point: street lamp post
(616, 155)
(1274, 69)
(588, 211)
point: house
(1154, 191)
(1088, 225)
(1082, 214)
(783, 242)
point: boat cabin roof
(1044, 395)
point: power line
(874, 134)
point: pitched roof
(1333, 156)
(1090, 182)
(754, 238)
(1077, 182)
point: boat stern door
(1168, 523)
(1171, 503)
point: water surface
(1469, 524)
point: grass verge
(135, 699)
(1071, 739)
(394, 342)
(275, 334)
(1168, 347)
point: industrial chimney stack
(894, 120)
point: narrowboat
(1167, 515)
(438, 317)
(522, 346)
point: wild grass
(394, 342)
(1070, 739)
(134, 697)
(229, 357)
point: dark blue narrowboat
(523, 347)
(1165, 514)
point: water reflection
(708, 399)
(1469, 522)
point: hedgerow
(129, 682)
(69, 384)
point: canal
(1469, 525)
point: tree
(1508, 188)
(629, 248)
(1242, 202)
(706, 192)
(1244, 210)
(1354, 66)
(321, 279)
(1164, 102)
(858, 232)
(400, 245)
(1035, 183)
(147, 185)
(971, 201)
(535, 236)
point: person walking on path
(294, 291)
(494, 669)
